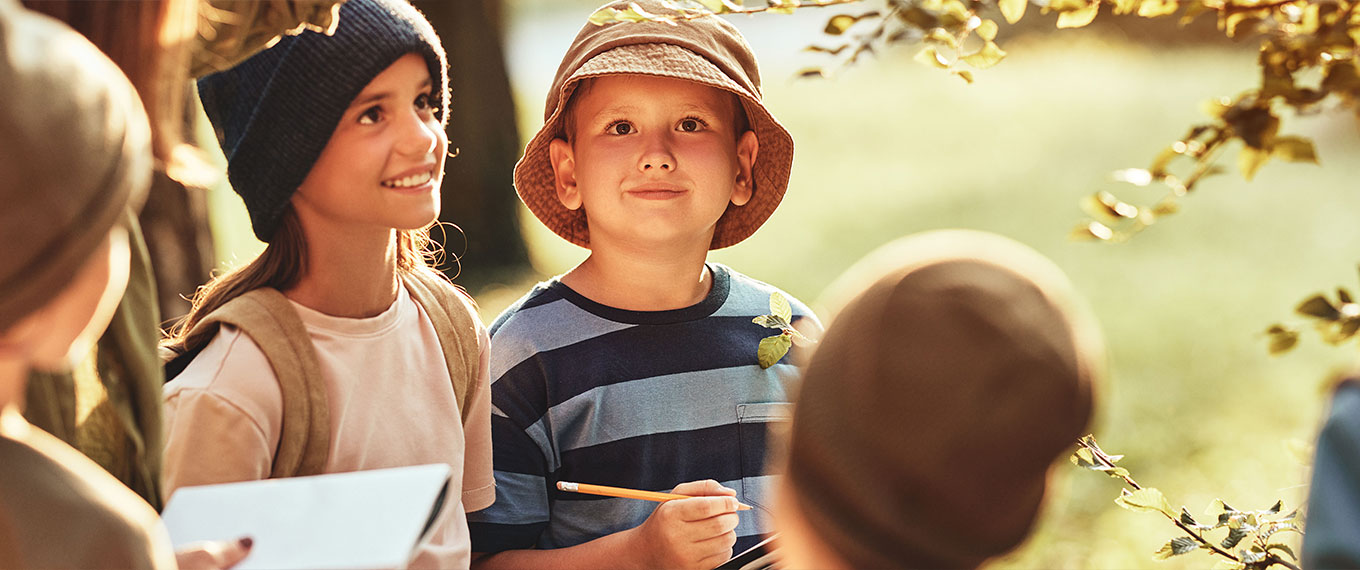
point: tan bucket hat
(706, 50)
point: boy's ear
(747, 149)
(564, 173)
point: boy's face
(653, 160)
(385, 161)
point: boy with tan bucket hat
(638, 368)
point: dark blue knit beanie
(275, 112)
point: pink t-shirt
(391, 405)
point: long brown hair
(282, 263)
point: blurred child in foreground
(77, 163)
(959, 369)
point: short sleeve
(222, 416)
(479, 488)
(520, 512)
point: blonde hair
(282, 263)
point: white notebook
(363, 519)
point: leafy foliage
(1249, 532)
(773, 348)
(1335, 321)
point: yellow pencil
(607, 491)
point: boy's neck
(637, 280)
(349, 273)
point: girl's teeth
(412, 180)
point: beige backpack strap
(454, 316)
(268, 318)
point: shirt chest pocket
(756, 424)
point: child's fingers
(701, 508)
(704, 488)
(721, 548)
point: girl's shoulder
(231, 366)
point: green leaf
(715, 6)
(772, 349)
(964, 74)
(1282, 339)
(810, 72)
(604, 16)
(931, 57)
(1226, 564)
(1344, 295)
(1177, 547)
(838, 24)
(1082, 458)
(1235, 535)
(782, 6)
(940, 36)
(1251, 556)
(1012, 10)
(1282, 547)
(1145, 499)
(779, 307)
(771, 321)
(1275, 509)
(1250, 160)
(1190, 521)
(987, 30)
(1079, 17)
(1318, 306)
(989, 55)
(1158, 8)
(1294, 149)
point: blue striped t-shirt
(588, 393)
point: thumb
(704, 488)
(213, 555)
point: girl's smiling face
(654, 161)
(384, 163)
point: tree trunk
(478, 191)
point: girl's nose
(419, 137)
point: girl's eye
(691, 125)
(370, 116)
(619, 128)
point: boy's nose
(657, 157)
(659, 163)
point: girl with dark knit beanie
(335, 141)
(960, 368)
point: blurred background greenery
(890, 147)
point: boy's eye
(691, 124)
(423, 101)
(370, 116)
(619, 128)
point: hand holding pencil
(693, 527)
